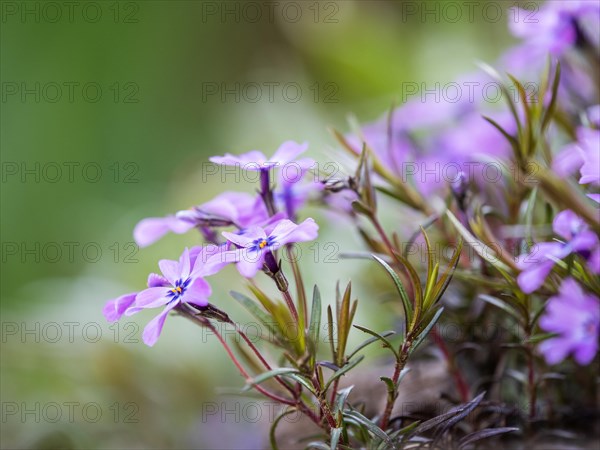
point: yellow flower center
(177, 290)
(263, 243)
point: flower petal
(566, 224)
(154, 328)
(287, 231)
(585, 351)
(150, 298)
(114, 309)
(150, 230)
(184, 265)
(211, 260)
(252, 160)
(197, 292)
(288, 151)
(555, 350)
(247, 238)
(156, 280)
(567, 161)
(170, 270)
(532, 279)
(250, 262)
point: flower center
(178, 290)
(261, 243)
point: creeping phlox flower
(255, 244)
(429, 140)
(555, 28)
(181, 282)
(229, 208)
(583, 155)
(293, 190)
(575, 317)
(536, 265)
(256, 160)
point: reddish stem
(459, 381)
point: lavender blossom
(255, 244)
(181, 282)
(583, 155)
(537, 265)
(228, 208)
(575, 317)
(256, 160)
(556, 28)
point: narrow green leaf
(373, 429)
(386, 343)
(445, 279)
(408, 309)
(483, 434)
(369, 342)
(458, 412)
(476, 244)
(414, 277)
(350, 365)
(330, 332)
(552, 106)
(343, 325)
(341, 398)
(335, 437)
(303, 381)
(391, 387)
(268, 375)
(430, 287)
(315, 323)
(511, 139)
(502, 305)
(281, 415)
(423, 334)
(429, 255)
(253, 308)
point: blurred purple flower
(256, 160)
(575, 317)
(555, 28)
(151, 229)
(255, 244)
(583, 155)
(114, 309)
(293, 189)
(536, 265)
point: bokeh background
(109, 115)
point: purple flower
(583, 154)
(536, 265)
(181, 282)
(575, 317)
(293, 189)
(229, 208)
(239, 209)
(150, 230)
(255, 244)
(256, 160)
(589, 145)
(557, 27)
(115, 308)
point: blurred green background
(106, 119)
